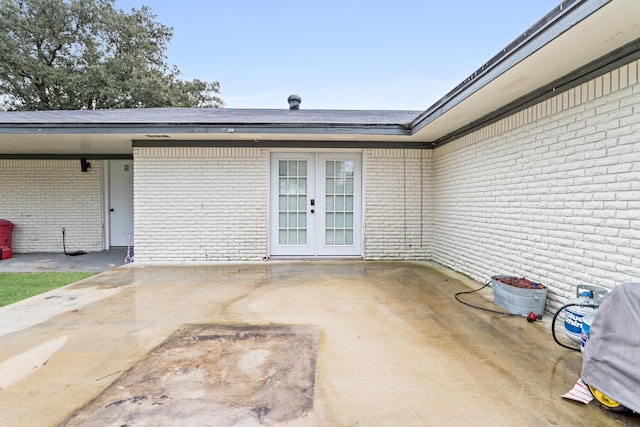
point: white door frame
(324, 248)
(107, 203)
(297, 201)
(316, 221)
(106, 225)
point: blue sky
(338, 54)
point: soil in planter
(520, 282)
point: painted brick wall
(551, 193)
(200, 204)
(42, 196)
(397, 204)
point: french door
(316, 204)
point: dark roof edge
(200, 128)
(552, 25)
(69, 156)
(276, 144)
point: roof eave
(551, 26)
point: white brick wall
(210, 204)
(200, 204)
(551, 193)
(397, 204)
(42, 196)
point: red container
(5, 253)
(6, 229)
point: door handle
(313, 211)
(111, 210)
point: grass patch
(18, 286)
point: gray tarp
(611, 359)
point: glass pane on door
(339, 194)
(292, 202)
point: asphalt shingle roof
(216, 116)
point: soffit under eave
(611, 27)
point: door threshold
(313, 258)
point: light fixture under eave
(84, 165)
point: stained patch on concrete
(214, 375)
(30, 312)
(23, 365)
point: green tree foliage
(87, 54)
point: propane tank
(587, 300)
(587, 320)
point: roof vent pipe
(294, 102)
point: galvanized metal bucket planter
(519, 300)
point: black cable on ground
(484, 308)
(553, 326)
(64, 248)
(553, 321)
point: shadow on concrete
(48, 261)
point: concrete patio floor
(58, 261)
(394, 348)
